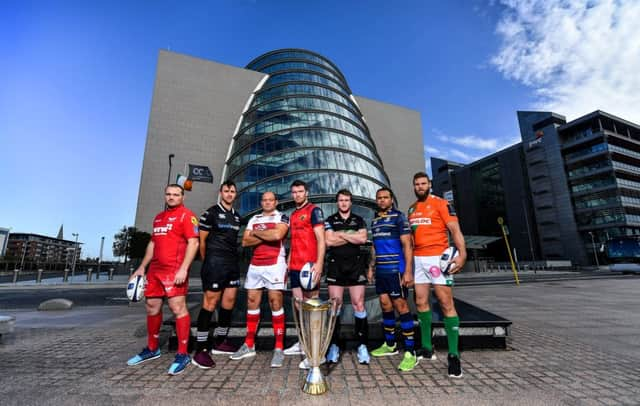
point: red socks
(277, 319)
(253, 318)
(153, 330)
(183, 325)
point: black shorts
(218, 273)
(347, 271)
(391, 284)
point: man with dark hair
(432, 219)
(307, 245)
(345, 232)
(265, 232)
(169, 254)
(219, 227)
(393, 275)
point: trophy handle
(333, 314)
(296, 304)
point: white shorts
(272, 277)
(427, 270)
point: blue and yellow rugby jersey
(386, 229)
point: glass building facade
(303, 123)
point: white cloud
(578, 56)
(476, 142)
(431, 150)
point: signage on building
(200, 173)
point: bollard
(111, 270)
(16, 272)
(65, 276)
(131, 271)
(98, 273)
(89, 271)
(39, 276)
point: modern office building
(42, 249)
(4, 240)
(289, 114)
(570, 186)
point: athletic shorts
(294, 281)
(349, 271)
(160, 283)
(390, 283)
(218, 273)
(427, 270)
(272, 277)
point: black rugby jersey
(353, 223)
(223, 227)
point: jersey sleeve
(328, 224)
(190, 225)
(447, 212)
(284, 219)
(251, 222)
(317, 218)
(403, 224)
(207, 220)
(360, 223)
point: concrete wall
(397, 133)
(195, 109)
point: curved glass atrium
(303, 123)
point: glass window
(262, 61)
(304, 77)
(288, 66)
(300, 103)
(301, 89)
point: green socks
(451, 325)
(425, 329)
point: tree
(130, 242)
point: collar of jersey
(225, 210)
(303, 206)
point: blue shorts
(294, 281)
(390, 283)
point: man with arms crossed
(307, 245)
(430, 218)
(268, 269)
(219, 227)
(394, 275)
(173, 245)
(345, 232)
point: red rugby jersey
(304, 246)
(172, 229)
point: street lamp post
(75, 255)
(169, 174)
(100, 259)
(595, 253)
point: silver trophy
(315, 320)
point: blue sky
(76, 81)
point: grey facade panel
(195, 109)
(397, 133)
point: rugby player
(268, 269)
(431, 217)
(307, 245)
(393, 275)
(169, 254)
(344, 233)
(220, 274)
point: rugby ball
(306, 277)
(447, 256)
(135, 288)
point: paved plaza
(573, 342)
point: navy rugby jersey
(223, 226)
(386, 229)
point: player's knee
(209, 302)
(358, 306)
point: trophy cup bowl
(315, 320)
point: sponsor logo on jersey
(194, 221)
(172, 218)
(304, 216)
(222, 216)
